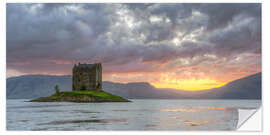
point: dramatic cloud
(136, 42)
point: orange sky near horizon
(190, 85)
(185, 78)
(164, 80)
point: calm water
(137, 115)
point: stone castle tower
(87, 77)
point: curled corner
(249, 120)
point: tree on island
(56, 88)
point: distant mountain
(33, 86)
(245, 88)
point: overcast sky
(164, 44)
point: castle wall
(85, 78)
(99, 77)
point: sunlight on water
(196, 123)
(195, 109)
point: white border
(2, 66)
(265, 66)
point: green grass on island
(100, 94)
(81, 96)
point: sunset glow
(190, 85)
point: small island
(86, 87)
(81, 96)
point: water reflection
(196, 123)
(195, 109)
(201, 117)
(85, 121)
(138, 115)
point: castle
(87, 77)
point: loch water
(140, 114)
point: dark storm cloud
(39, 22)
(241, 37)
(49, 30)
(127, 35)
(220, 15)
